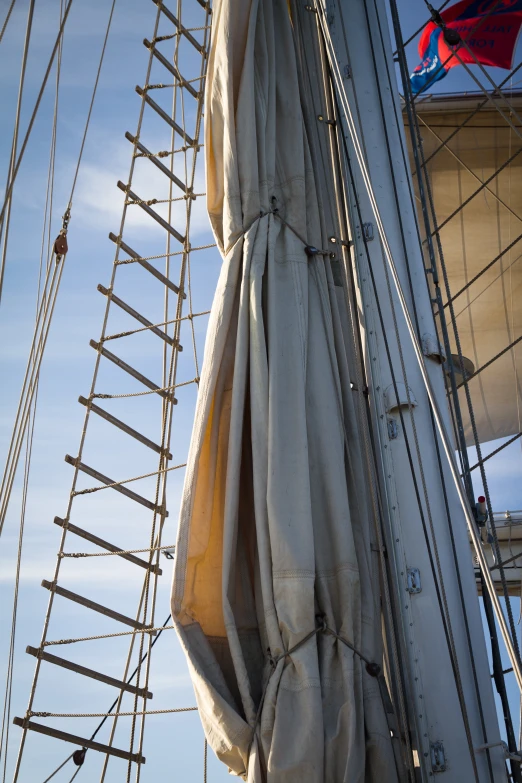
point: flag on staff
(490, 29)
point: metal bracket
(414, 581)
(368, 231)
(438, 757)
(393, 429)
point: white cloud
(98, 195)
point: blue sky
(174, 742)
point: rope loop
(372, 668)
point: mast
(450, 698)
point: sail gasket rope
(372, 668)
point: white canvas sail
(477, 196)
(275, 536)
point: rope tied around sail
(310, 250)
(372, 668)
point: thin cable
(5, 224)
(46, 311)
(484, 269)
(84, 432)
(473, 30)
(9, 686)
(512, 640)
(494, 453)
(401, 417)
(441, 472)
(93, 97)
(109, 712)
(421, 28)
(6, 20)
(58, 768)
(446, 441)
(464, 122)
(9, 190)
(455, 413)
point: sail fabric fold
(276, 534)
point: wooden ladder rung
(78, 531)
(80, 741)
(135, 374)
(180, 27)
(75, 667)
(79, 599)
(124, 427)
(142, 148)
(171, 68)
(164, 116)
(145, 264)
(119, 487)
(151, 212)
(141, 318)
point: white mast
(423, 515)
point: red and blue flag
(490, 29)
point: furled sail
(475, 179)
(276, 586)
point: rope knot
(373, 669)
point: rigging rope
(6, 20)
(147, 604)
(412, 121)
(4, 224)
(466, 120)
(447, 444)
(48, 302)
(399, 122)
(14, 615)
(421, 168)
(110, 712)
(512, 639)
(32, 412)
(7, 194)
(439, 589)
(320, 65)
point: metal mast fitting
(451, 706)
